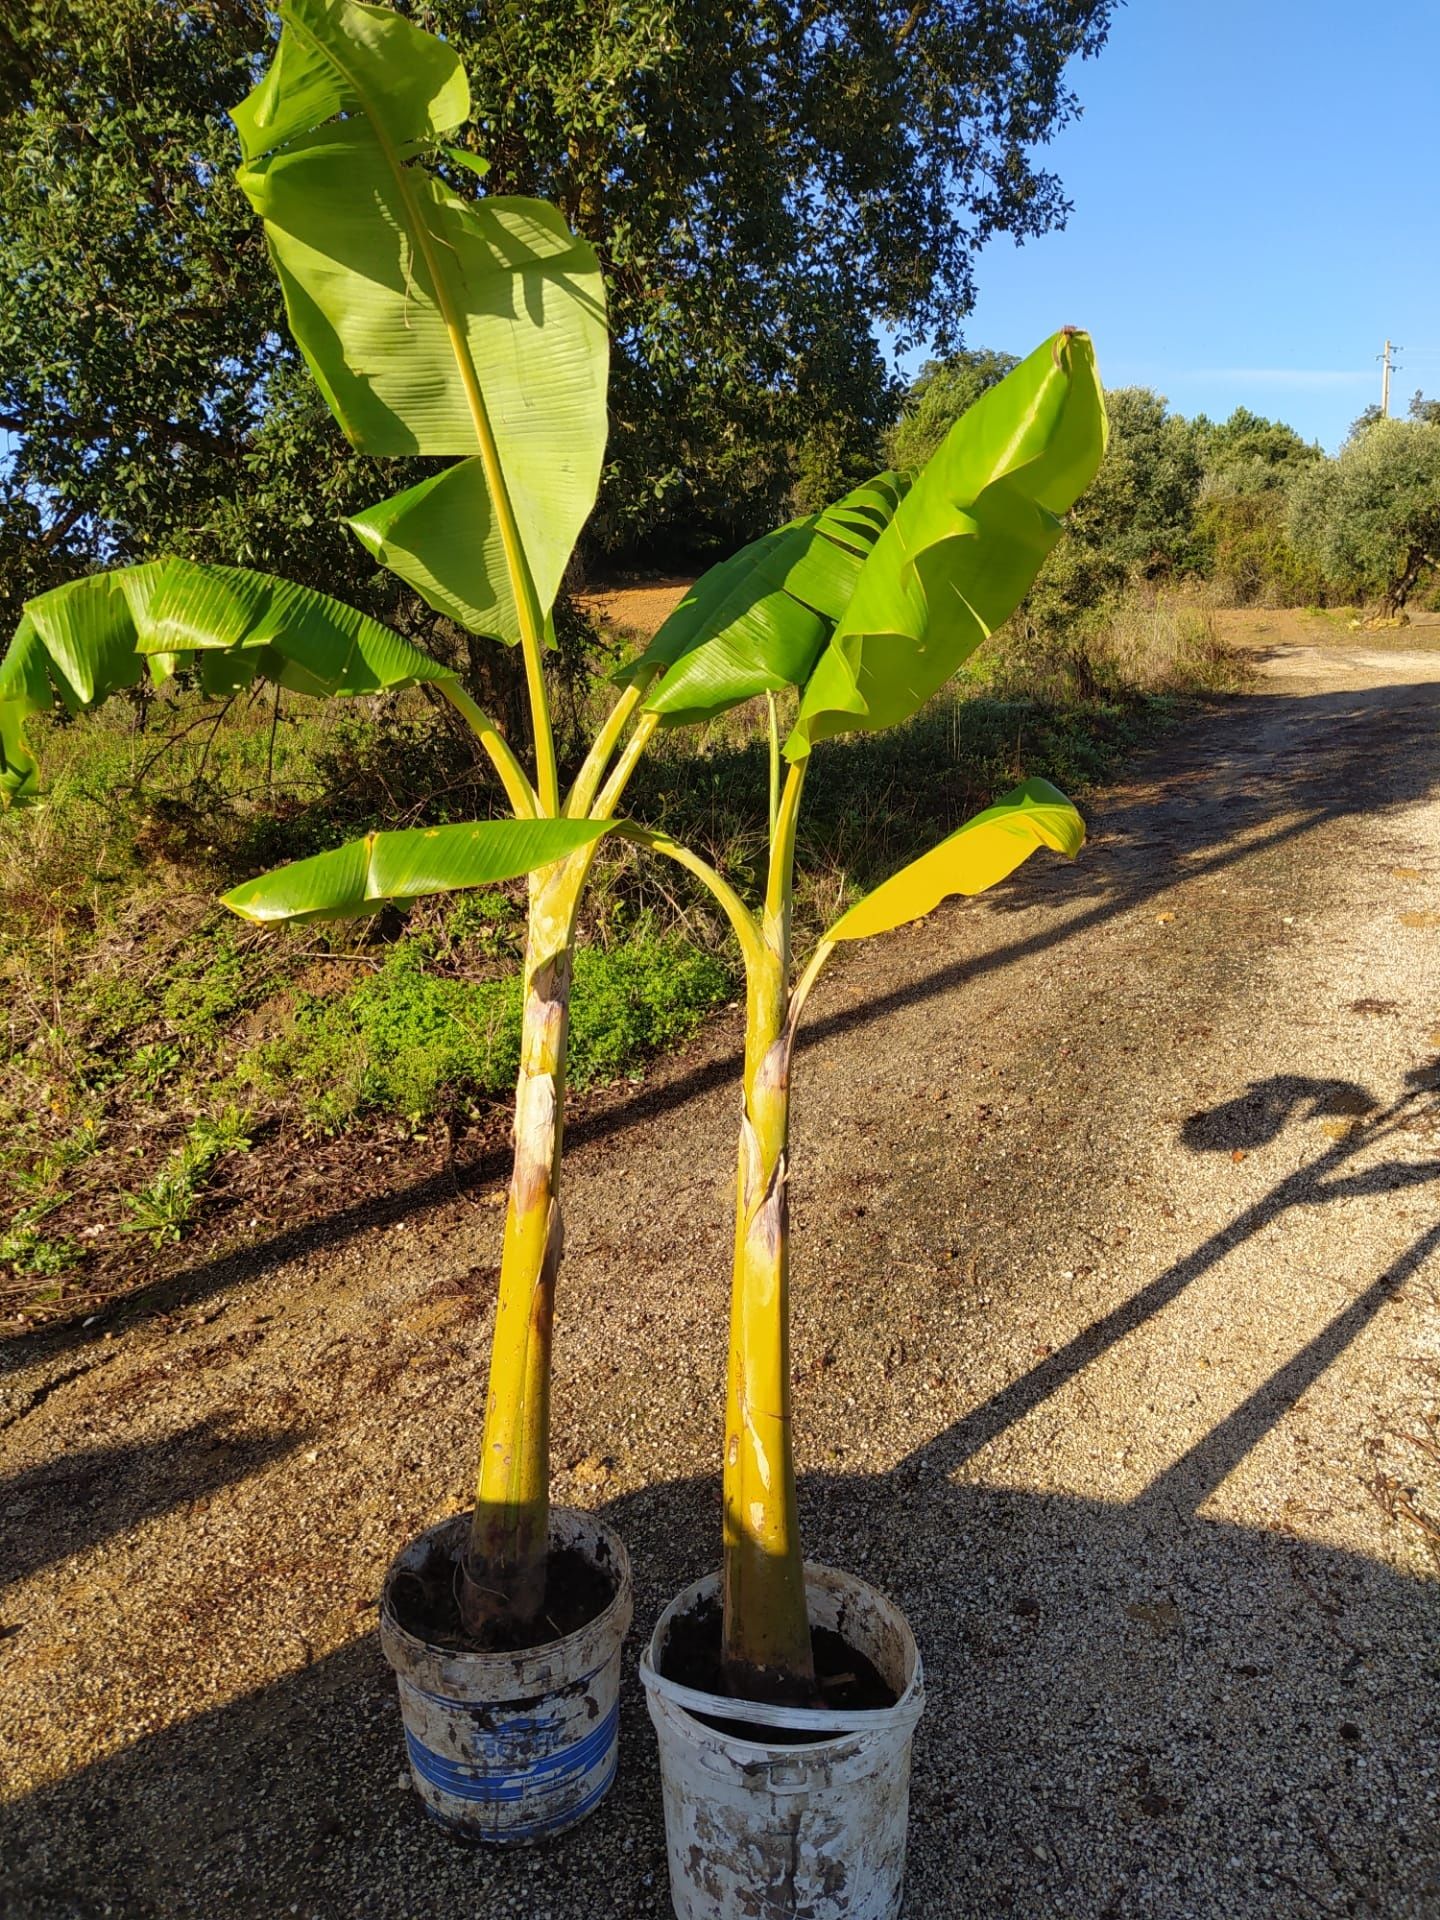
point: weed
(166, 1206)
(29, 1252)
(413, 1041)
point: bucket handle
(831, 1721)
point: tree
(1371, 517)
(1248, 453)
(762, 181)
(942, 391)
(1427, 412)
(1136, 522)
(1240, 515)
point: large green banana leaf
(395, 868)
(757, 621)
(980, 854)
(432, 324)
(963, 547)
(81, 642)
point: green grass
(166, 1205)
(414, 1041)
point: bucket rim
(613, 1622)
(834, 1723)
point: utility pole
(1385, 380)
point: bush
(1136, 523)
(1248, 554)
(1140, 642)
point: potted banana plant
(785, 1695)
(472, 329)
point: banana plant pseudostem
(434, 324)
(867, 610)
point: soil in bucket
(426, 1603)
(845, 1681)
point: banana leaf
(964, 545)
(758, 621)
(981, 853)
(82, 642)
(395, 868)
(433, 324)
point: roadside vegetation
(152, 1040)
(155, 1051)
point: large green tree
(939, 394)
(1371, 517)
(1240, 525)
(766, 180)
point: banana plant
(435, 324)
(867, 610)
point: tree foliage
(942, 391)
(1371, 517)
(763, 182)
(1240, 519)
(1136, 522)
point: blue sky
(1255, 210)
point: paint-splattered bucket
(771, 1830)
(512, 1747)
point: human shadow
(75, 1502)
(1135, 1709)
(1251, 779)
(1255, 1116)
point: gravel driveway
(1118, 1363)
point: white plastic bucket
(762, 1831)
(512, 1747)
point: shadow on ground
(1127, 1716)
(1134, 1709)
(1260, 774)
(73, 1504)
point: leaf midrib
(527, 601)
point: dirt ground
(1118, 1366)
(637, 607)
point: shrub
(1370, 520)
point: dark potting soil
(427, 1604)
(845, 1681)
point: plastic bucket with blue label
(510, 1748)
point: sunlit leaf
(308, 641)
(981, 853)
(963, 547)
(82, 642)
(757, 621)
(386, 868)
(429, 321)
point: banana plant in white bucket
(785, 1694)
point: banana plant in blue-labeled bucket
(468, 329)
